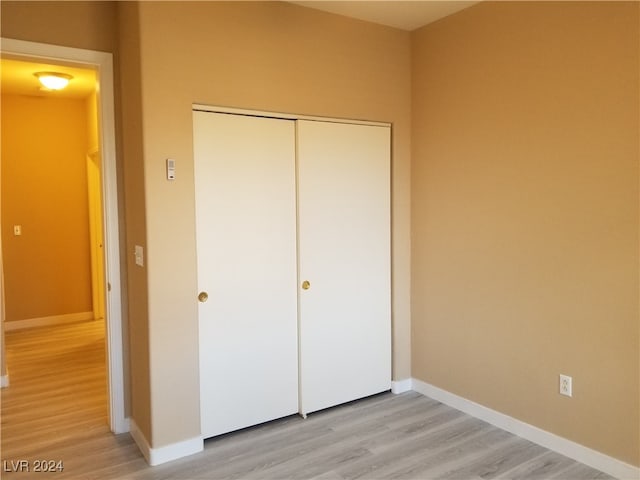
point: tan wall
(264, 55)
(131, 136)
(525, 214)
(44, 146)
(81, 24)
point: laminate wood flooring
(56, 409)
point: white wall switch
(17, 230)
(139, 254)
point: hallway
(55, 407)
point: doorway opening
(51, 198)
(102, 299)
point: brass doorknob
(203, 297)
(306, 285)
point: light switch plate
(139, 254)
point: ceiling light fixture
(53, 80)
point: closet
(293, 251)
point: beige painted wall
(525, 214)
(264, 55)
(81, 24)
(134, 186)
(47, 270)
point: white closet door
(246, 246)
(344, 253)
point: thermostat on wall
(171, 169)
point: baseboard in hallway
(49, 321)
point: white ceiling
(406, 15)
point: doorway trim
(102, 62)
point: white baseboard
(157, 456)
(568, 448)
(401, 386)
(140, 440)
(123, 426)
(4, 381)
(47, 321)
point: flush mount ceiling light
(53, 80)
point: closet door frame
(196, 107)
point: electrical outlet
(566, 387)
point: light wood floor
(55, 409)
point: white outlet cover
(566, 387)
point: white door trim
(102, 62)
(198, 107)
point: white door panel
(344, 252)
(246, 245)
